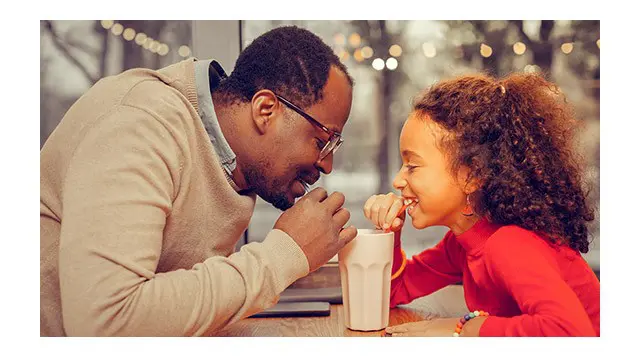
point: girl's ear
(468, 183)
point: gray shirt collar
(210, 120)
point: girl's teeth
(409, 201)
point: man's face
(292, 163)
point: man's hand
(316, 223)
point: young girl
(492, 160)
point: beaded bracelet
(402, 266)
(466, 318)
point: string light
(367, 52)
(392, 63)
(153, 47)
(129, 34)
(429, 49)
(357, 55)
(147, 43)
(106, 24)
(163, 50)
(395, 50)
(531, 68)
(184, 51)
(354, 39)
(344, 56)
(140, 38)
(567, 48)
(519, 48)
(485, 50)
(117, 29)
(378, 64)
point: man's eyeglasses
(335, 139)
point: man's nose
(326, 164)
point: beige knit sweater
(138, 222)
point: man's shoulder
(158, 98)
(154, 90)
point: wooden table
(448, 302)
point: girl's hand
(431, 327)
(436, 327)
(386, 211)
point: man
(150, 180)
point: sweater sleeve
(426, 272)
(117, 196)
(523, 264)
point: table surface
(447, 302)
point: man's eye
(321, 144)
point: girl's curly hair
(516, 137)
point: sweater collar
(204, 80)
(473, 239)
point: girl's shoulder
(512, 238)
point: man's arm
(118, 192)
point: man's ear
(264, 108)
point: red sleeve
(426, 272)
(524, 265)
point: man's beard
(275, 192)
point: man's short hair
(290, 61)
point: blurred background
(391, 62)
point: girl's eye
(410, 168)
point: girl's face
(425, 176)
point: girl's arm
(426, 272)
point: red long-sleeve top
(528, 286)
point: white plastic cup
(365, 276)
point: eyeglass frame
(334, 136)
